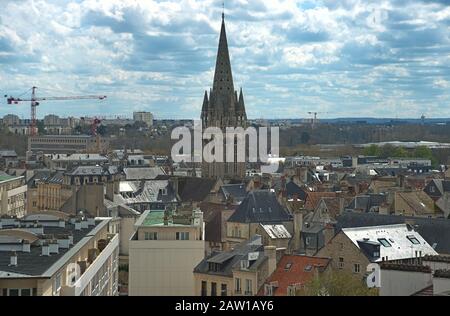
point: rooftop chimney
(271, 253)
(70, 239)
(26, 246)
(91, 221)
(84, 224)
(45, 249)
(13, 259)
(54, 247)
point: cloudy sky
(347, 58)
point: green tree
(425, 152)
(387, 151)
(400, 152)
(372, 150)
(336, 284)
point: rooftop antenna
(223, 10)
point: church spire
(223, 77)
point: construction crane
(35, 102)
(314, 120)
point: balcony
(97, 274)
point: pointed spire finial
(223, 10)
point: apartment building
(163, 253)
(12, 195)
(146, 117)
(52, 254)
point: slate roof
(93, 171)
(433, 230)
(53, 177)
(147, 191)
(32, 263)
(294, 270)
(148, 173)
(260, 206)
(230, 260)
(398, 247)
(293, 189)
(276, 231)
(365, 202)
(236, 191)
(195, 189)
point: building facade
(146, 117)
(51, 144)
(221, 109)
(50, 254)
(13, 192)
(163, 253)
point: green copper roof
(156, 218)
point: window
(204, 288)
(288, 266)
(413, 239)
(213, 289)
(237, 285)
(384, 242)
(223, 290)
(248, 287)
(356, 268)
(291, 290)
(182, 235)
(432, 189)
(57, 285)
(25, 292)
(308, 241)
(341, 263)
(13, 292)
(268, 290)
(151, 236)
(245, 264)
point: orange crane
(35, 102)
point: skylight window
(384, 242)
(308, 268)
(413, 239)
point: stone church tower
(223, 108)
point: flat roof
(154, 218)
(8, 177)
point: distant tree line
(388, 150)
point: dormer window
(245, 264)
